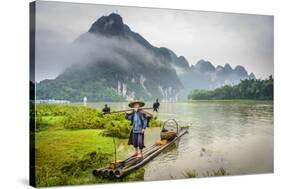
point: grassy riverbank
(71, 141)
(64, 157)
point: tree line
(256, 89)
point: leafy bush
(80, 117)
(84, 118)
(120, 129)
(118, 126)
(76, 117)
(53, 109)
(154, 122)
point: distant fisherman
(139, 121)
(156, 106)
(106, 109)
(85, 101)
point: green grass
(62, 155)
(54, 148)
(72, 141)
(54, 122)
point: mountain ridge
(123, 65)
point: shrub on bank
(84, 118)
(80, 117)
(154, 122)
(115, 128)
(118, 126)
(53, 109)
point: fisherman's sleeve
(128, 116)
(144, 120)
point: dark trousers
(137, 140)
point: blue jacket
(138, 121)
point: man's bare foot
(135, 154)
(140, 155)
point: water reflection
(237, 136)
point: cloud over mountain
(112, 62)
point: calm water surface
(234, 135)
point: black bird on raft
(156, 106)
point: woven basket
(169, 135)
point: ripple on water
(237, 136)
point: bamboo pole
(128, 110)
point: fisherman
(139, 121)
(106, 109)
(156, 105)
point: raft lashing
(170, 133)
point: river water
(234, 135)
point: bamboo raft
(121, 168)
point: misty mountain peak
(108, 25)
(252, 76)
(204, 66)
(241, 71)
(219, 68)
(115, 63)
(228, 68)
(182, 61)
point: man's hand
(142, 130)
(128, 112)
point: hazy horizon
(237, 39)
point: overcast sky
(237, 39)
